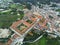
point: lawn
(45, 41)
(21, 27)
(58, 10)
(42, 41)
(9, 16)
(7, 20)
(17, 6)
(29, 21)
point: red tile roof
(15, 24)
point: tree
(28, 6)
(54, 5)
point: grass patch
(45, 41)
(29, 21)
(7, 19)
(21, 26)
(58, 10)
(42, 41)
